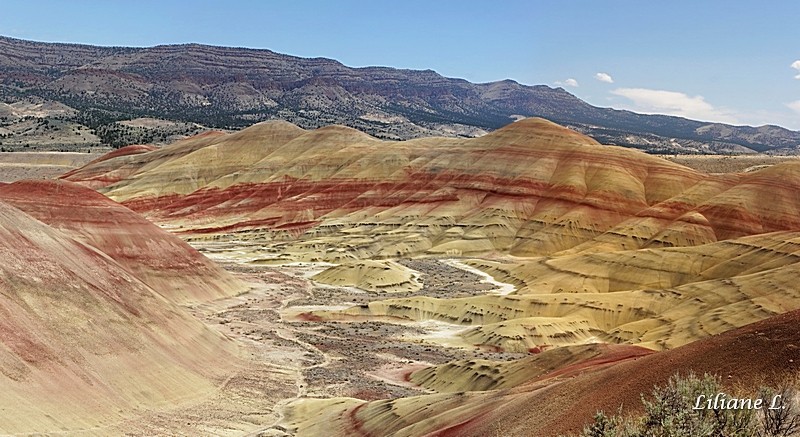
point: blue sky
(728, 61)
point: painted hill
(84, 342)
(700, 293)
(618, 246)
(531, 188)
(159, 259)
(614, 253)
(80, 96)
(371, 275)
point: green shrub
(603, 426)
(670, 412)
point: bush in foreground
(672, 411)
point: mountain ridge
(225, 87)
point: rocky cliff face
(235, 87)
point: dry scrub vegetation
(728, 163)
(670, 412)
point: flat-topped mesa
(530, 188)
(160, 259)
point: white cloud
(794, 106)
(604, 77)
(796, 66)
(674, 103)
(569, 82)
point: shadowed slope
(161, 260)
(83, 342)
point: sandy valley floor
(290, 358)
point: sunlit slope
(610, 244)
(559, 403)
(647, 268)
(482, 375)
(610, 250)
(84, 343)
(531, 188)
(638, 249)
(160, 259)
(122, 163)
(377, 276)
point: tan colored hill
(531, 188)
(378, 276)
(161, 260)
(657, 298)
(639, 250)
(84, 343)
(483, 375)
(611, 251)
(119, 164)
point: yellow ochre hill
(531, 188)
(85, 343)
(611, 256)
(604, 244)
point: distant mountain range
(68, 95)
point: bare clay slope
(84, 343)
(161, 260)
(122, 163)
(640, 250)
(605, 245)
(531, 188)
(654, 298)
